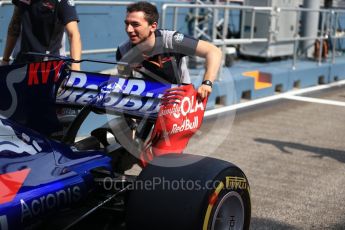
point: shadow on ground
(339, 226)
(268, 224)
(319, 152)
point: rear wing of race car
(137, 97)
(30, 92)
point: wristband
(207, 82)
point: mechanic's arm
(213, 56)
(13, 33)
(74, 42)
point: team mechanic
(40, 25)
(161, 54)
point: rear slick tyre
(208, 194)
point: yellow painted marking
(209, 208)
(262, 80)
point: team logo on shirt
(71, 2)
(178, 37)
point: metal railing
(328, 31)
(329, 26)
(100, 3)
(209, 6)
(5, 2)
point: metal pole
(295, 46)
(196, 22)
(215, 21)
(309, 28)
(175, 18)
(252, 25)
(321, 40)
(335, 36)
(225, 22)
(243, 19)
(164, 9)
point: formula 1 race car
(52, 176)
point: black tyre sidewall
(181, 209)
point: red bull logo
(179, 117)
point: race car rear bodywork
(41, 176)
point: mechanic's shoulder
(171, 34)
(163, 32)
(124, 47)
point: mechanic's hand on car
(204, 91)
(75, 66)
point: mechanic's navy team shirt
(43, 24)
(166, 60)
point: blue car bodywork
(40, 176)
(53, 175)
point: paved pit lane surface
(293, 153)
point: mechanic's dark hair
(150, 11)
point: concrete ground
(293, 154)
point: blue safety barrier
(282, 78)
(309, 73)
(337, 70)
